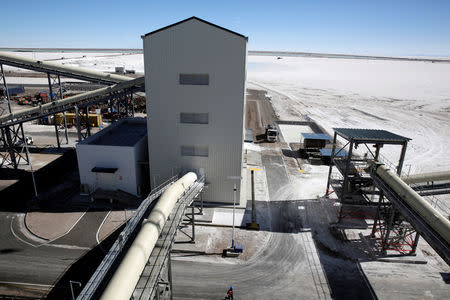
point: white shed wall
(196, 47)
(141, 155)
(123, 158)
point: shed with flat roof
(315, 140)
(114, 159)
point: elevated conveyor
(60, 69)
(69, 103)
(427, 221)
(143, 261)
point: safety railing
(96, 279)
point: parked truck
(271, 133)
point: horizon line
(432, 58)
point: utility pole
(253, 225)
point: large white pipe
(427, 177)
(433, 218)
(127, 275)
(62, 68)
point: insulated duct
(130, 269)
(426, 177)
(431, 216)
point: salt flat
(410, 98)
(406, 97)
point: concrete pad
(114, 220)
(50, 226)
(292, 133)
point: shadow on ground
(339, 256)
(56, 183)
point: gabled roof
(198, 19)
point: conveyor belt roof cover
(370, 135)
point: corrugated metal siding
(195, 47)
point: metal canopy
(338, 152)
(371, 135)
(104, 170)
(316, 136)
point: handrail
(109, 259)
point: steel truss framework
(363, 198)
(13, 139)
(392, 230)
(120, 105)
(5, 96)
(55, 92)
(13, 147)
(401, 221)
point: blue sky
(352, 27)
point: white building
(195, 83)
(114, 158)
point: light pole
(235, 178)
(253, 225)
(31, 167)
(71, 288)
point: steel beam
(77, 117)
(402, 158)
(331, 164)
(5, 85)
(52, 98)
(88, 98)
(59, 69)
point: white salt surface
(409, 98)
(406, 97)
(91, 60)
(293, 133)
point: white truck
(271, 133)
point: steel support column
(52, 98)
(193, 222)
(88, 123)
(5, 85)
(347, 169)
(132, 104)
(414, 245)
(10, 145)
(25, 144)
(169, 271)
(345, 181)
(402, 158)
(331, 164)
(61, 96)
(385, 238)
(77, 117)
(377, 216)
